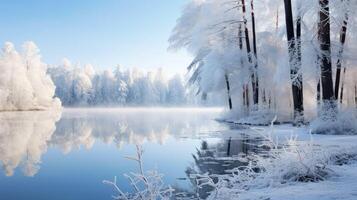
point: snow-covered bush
(342, 123)
(146, 185)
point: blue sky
(105, 33)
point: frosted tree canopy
(24, 84)
(290, 59)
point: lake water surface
(66, 156)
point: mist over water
(48, 155)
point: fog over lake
(47, 155)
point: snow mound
(24, 84)
(342, 124)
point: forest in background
(83, 86)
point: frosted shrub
(344, 123)
(146, 185)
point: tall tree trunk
(240, 44)
(243, 97)
(339, 56)
(300, 89)
(294, 62)
(318, 92)
(256, 87)
(228, 92)
(325, 59)
(229, 146)
(342, 85)
(356, 96)
(249, 52)
(247, 96)
(264, 97)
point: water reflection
(220, 158)
(129, 126)
(23, 139)
(26, 136)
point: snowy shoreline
(334, 155)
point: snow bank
(24, 84)
(308, 167)
(342, 124)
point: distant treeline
(82, 86)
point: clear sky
(132, 33)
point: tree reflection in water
(26, 136)
(218, 159)
(23, 139)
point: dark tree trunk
(355, 95)
(228, 92)
(339, 56)
(253, 28)
(298, 40)
(299, 108)
(342, 84)
(249, 51)
(247, 96)
(329, 109)
(244, 102)
(229, 146)
(240, 40)
(256, 87)
(318, 96)
(295, 62)
(264, 97)
(325, 47)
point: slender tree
(356, 95)
(294, 61)
(243, 97)
(256, 81)
(325, 47)
(318, 93)
(339, 56)
(328, 96)
(342, 84)
(246, 98)
(228, 91)
(249, 52)
(240, 44)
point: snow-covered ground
(331, 157)
(341, 186)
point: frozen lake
(67, 156)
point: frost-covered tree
(220, 35)
(81, 88)
(24, 84)
(160, 85)
(176, 94)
